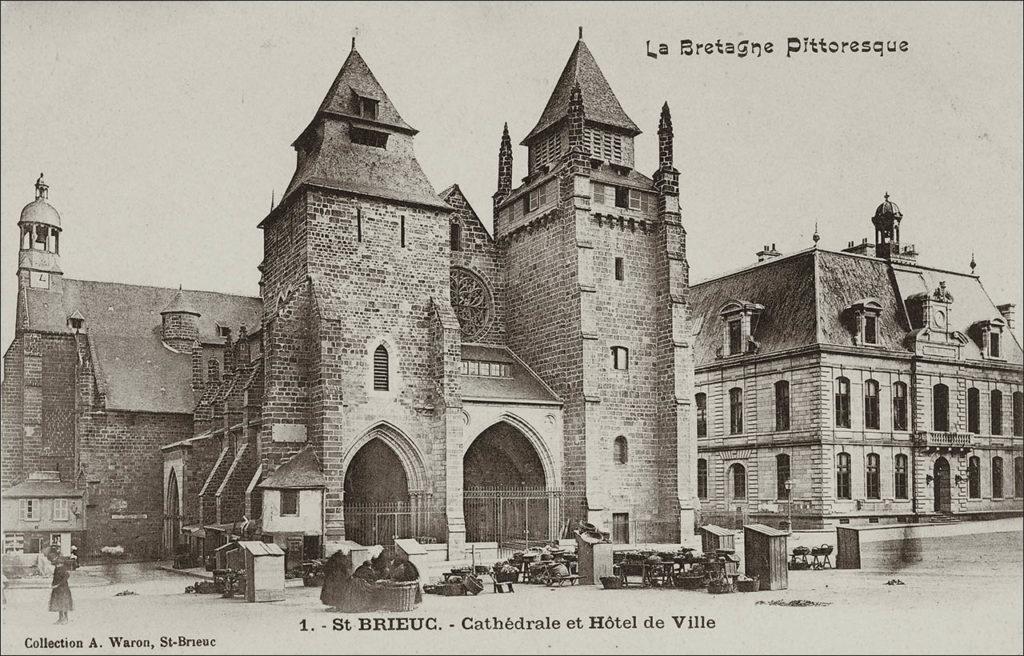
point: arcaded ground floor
(975, 606)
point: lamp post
(789, 499)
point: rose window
(471, 302)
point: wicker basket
(612, 582)
(748, 585)
(690, 582)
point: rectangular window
(997, 478)
(900, 477)
(61, 510)
(620, 528)
(702, 478)
(30, 509)
(735, 337)
(736, 411)
(622, 197)
(359, 224)
(996, 403)
(940, 408)
(870, 329)
(620, 269)
(1018, 413)
(648, 204)
(598, 193)
(702, 414)
(635, 199)
(782, 405)
(14, 542)
(366, 137)
(368, 108)
(289, 502)
(974, 477)
(401, 230)
(456, 237)
(993, 345)
(620, 358)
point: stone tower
(595, 259)
(361, 343)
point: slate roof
(134, 369)
(522, 385)
(332, 161)
(806, 295)
(599, 102)
(31, 489)
(301, 472)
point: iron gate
(514, 517)
(383, 523)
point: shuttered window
(381, 378)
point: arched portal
(377, 500)
(505, 490)
(172, 514)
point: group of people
(344, 587)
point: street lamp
(789, 498)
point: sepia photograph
(512, 327)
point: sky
(164, 129)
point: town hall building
(404, 372)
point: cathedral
(404, 372)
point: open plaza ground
(968, 599)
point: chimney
(1009, 312)
(766, 254)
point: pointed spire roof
(599, 102)
(355, 80)
(180, 305)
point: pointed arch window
(996, 402)
(621, 450)
(899, 406)
(782, 405)
(213, 371)
(974, 477)
(843, 490)
(940, 408)
(381, 371)
(842, 394)
(872, 415)
(873, 476)
(973, 410)
(702, 414)
(900, 477)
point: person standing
(60, 592)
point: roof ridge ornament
(815, 237)
(42, 189)
(974, 264)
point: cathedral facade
(404, 371)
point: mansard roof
(133, 368)
(807, 299)
(599, 102)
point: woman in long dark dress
(60, 592)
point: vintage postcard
(495, 327)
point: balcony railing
(944, 439)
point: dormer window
(76, 321)
(223, 331)
(865, 314)
(989, 335)
(739, 324)
(368, 107)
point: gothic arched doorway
(172, 515)
(940, 481)
(377, 499)
(505, 495)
